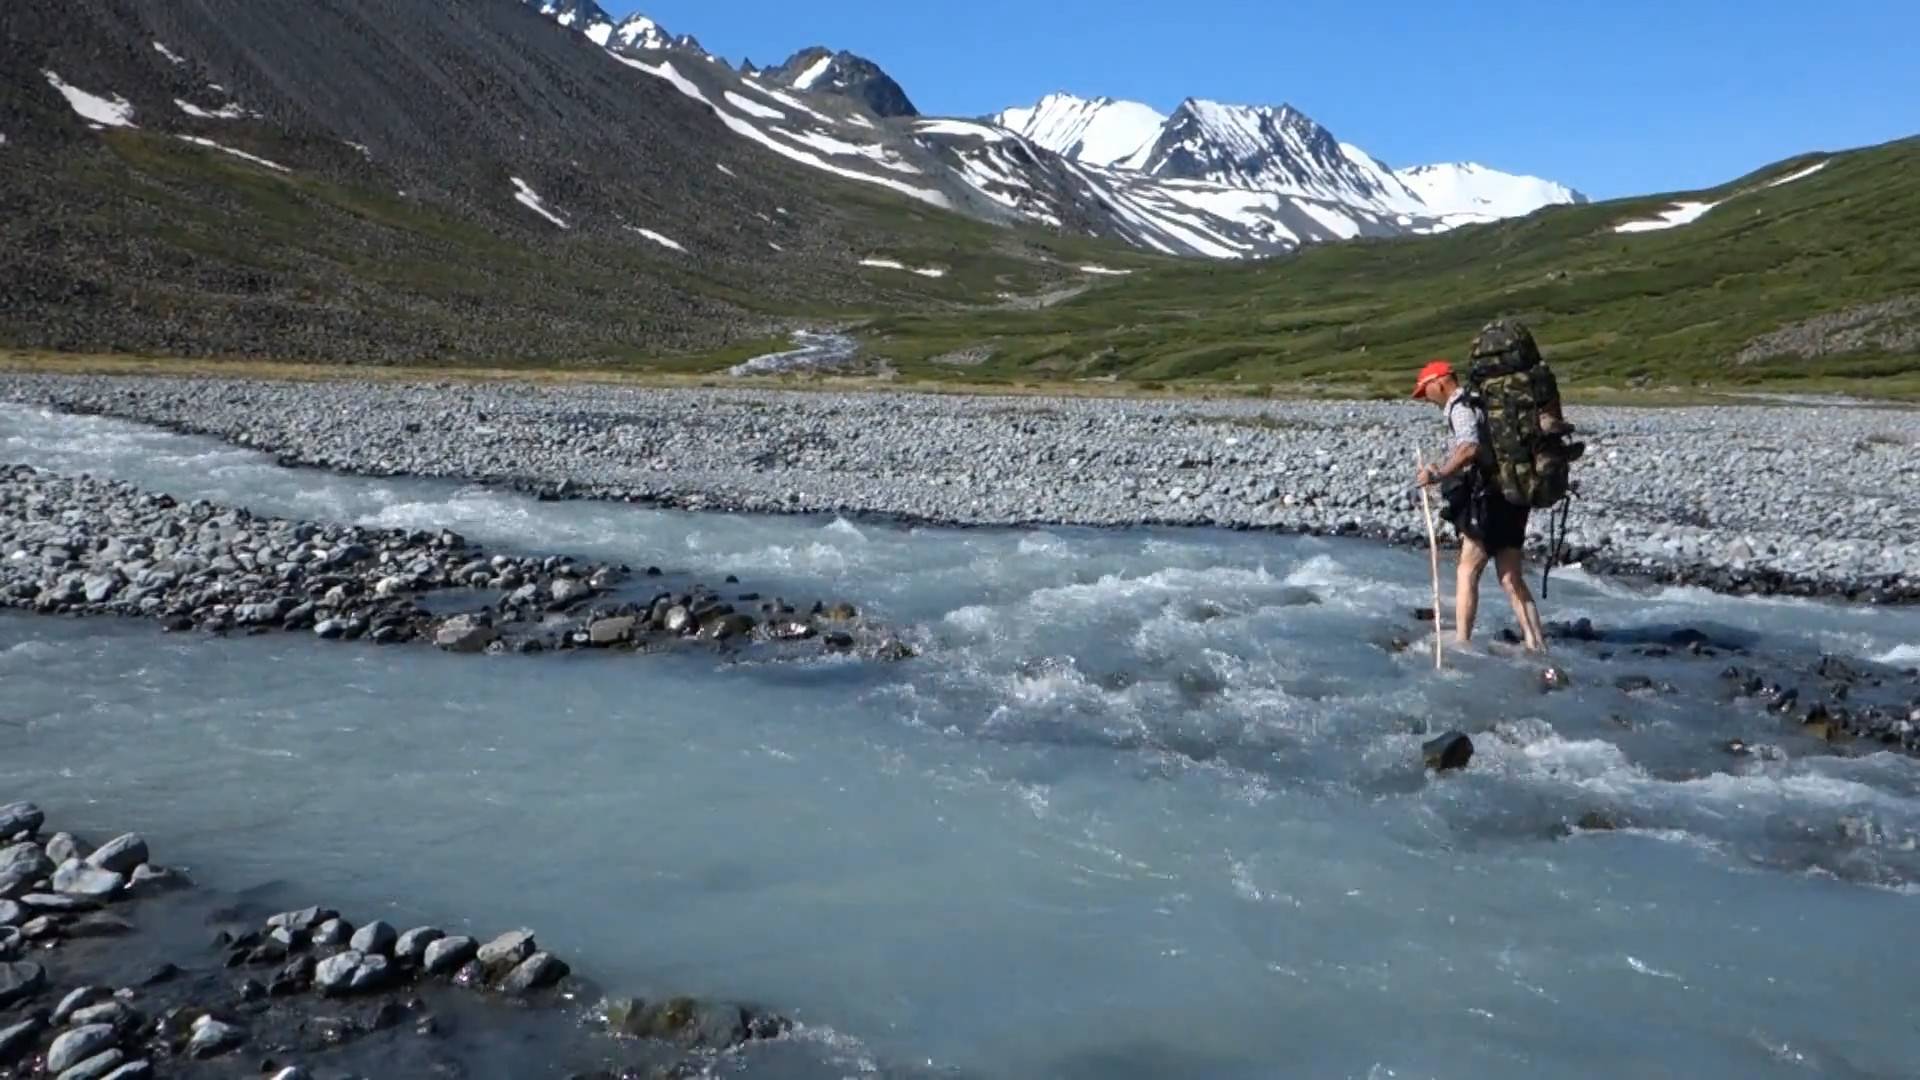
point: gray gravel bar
(1819, 501)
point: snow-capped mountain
(824, 71)
(1263, 148)
(1277, 149)
(1099, 132)
(1213, 180)
(1470, 191)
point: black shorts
(1478, 511)
(1502, 525)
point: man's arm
(1460, 459)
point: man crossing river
(1490, 526)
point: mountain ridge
(1271, 148)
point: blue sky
(1620, 97)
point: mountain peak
(583, 15)
(641, 32)
(822, 70)
(1099, 131)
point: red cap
(1439, 369)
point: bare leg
(1466, 589)
(1513, 578)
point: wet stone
(17, 1039)
(98, 925)
(411, 947)
(77, 1045)
(78, 879)
(295, 978)
(20, 817)
(63, 846)
(375, 937)
(212, 1038)
(332, 932)
(1448, 752)
(77, 1000)
(448, 954)
(120, 855)
(20, 980)
(507, 950)
(303, 919)
(164, 973)
(97, 1067)
(536, 972)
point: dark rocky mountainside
(359, 180)
(825, 71)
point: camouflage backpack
(1520, 404)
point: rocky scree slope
(338, 180)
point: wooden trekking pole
(1433, 550)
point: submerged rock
(17, 1040)
(691, 1023)
(97, 1067)
(20, 980)
(212, 1038)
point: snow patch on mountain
(1682, 213)
(172, 57)
(529, 198)
(104, 112)
(890, 264)
(225, 112)
(1101, 131)
(241, 154)
(751, 107)
(1686, 212)
(1800, 174)
(813, 73)
(1474, 191)
(743, 127)
(663, 241)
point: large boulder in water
(1448, 752)
(465, 634)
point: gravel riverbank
(1738, 499)
(85, 546)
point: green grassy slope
(1668, 309)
